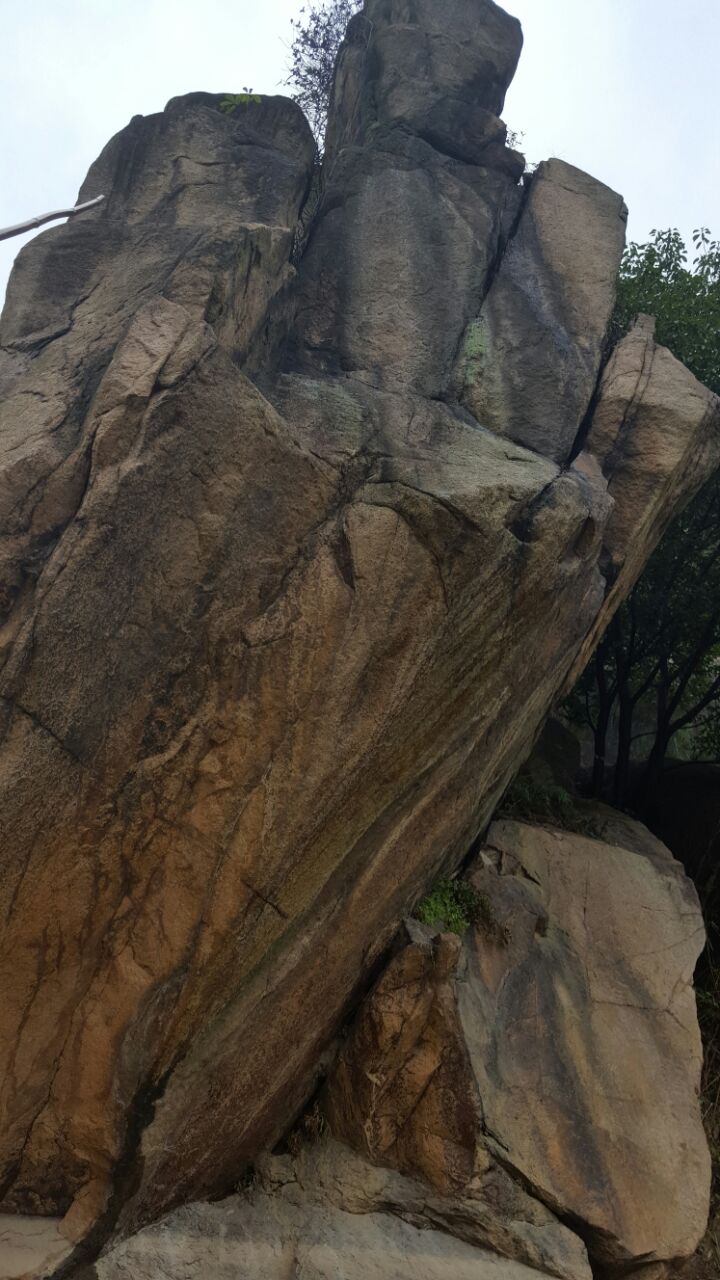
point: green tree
(657, 670)
(655, 278)
(317, 36)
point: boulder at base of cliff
(322, 1215)
(558, 1041)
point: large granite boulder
(508, 1103)
(558, 1043)
(280, 618)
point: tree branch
(711, 695)
(685, 672)
(18, 230)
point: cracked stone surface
(29, 1245)
(323, 1214)
(559, 1048)
(280, 617)
(529, 359)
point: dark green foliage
(657, 670)
(551, 805)
(452, 903)
(455, 905)
(655, 278)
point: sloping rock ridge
(293, 566)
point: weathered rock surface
(278, 622)
(560, 1046)
(322, 1215)
(651, 412)
(653, 426)
(30, 1246)
(410, 222)
(430, 69)
(528, 362)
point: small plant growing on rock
(552, 805)
(456, 905)
(233, 100)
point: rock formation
(562, 1044)
(322, 1214)
(533, 1087)
(294, 562)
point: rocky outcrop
(529, 360)
(30, 1246)
(411, 220)
(559, 1047)
(505, 1101)
(440, 73)
(652, 410)
(323, 1214)
(653, 426)
(280, 616)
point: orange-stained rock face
(279, 619)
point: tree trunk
(605, 704)
(621, 780)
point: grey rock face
(322, 1215)
(200, 210)
(651, 407)
(419, 193)
(425, 67)
(194, 200)
(529, 360)
(397, 223)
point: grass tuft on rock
(530, 801)
(455, 905)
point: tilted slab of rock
(651, 413)
(235, 815)
(653, 426)
(528, 363)
(270, 649)
(322, 1215)
(559, 1042)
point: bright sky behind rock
(627, 89)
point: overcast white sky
(627, 89)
